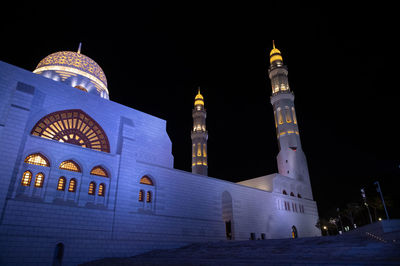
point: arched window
(92, 188)
(72, 185)
(39, 180)
(294, 115)
(287, 114)
(284, 192)
(99, 171)
(299, 196)
(74, 127)
(102, 190)
(146, 180)
(292, 194)
(61, 183)
(70, 166)
(198, 149)
(148, 196)
(37, 159)
(141, 195)
(26, 178)
(280, 116)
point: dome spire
(79, 48)
(273, 44)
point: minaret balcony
(280, 95)
(199, 134)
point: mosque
(83, 177)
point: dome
(75, 69)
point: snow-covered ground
(347, 249)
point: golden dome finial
(275, 54)
(79, 48)
(199, 98)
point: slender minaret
(291, 158)
(199, 137)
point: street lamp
(340, 220)
(365, 203)
(326, 228)
(383, 201)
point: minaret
(199, 137)
(291, 158)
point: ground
(348, 249)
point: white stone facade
(36, 222)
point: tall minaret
(199, 137)
(291, 158)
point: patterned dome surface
(78, 61)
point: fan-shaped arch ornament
(74, 127)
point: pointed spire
(273, 44)
(198, 89)
(79, 48)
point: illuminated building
(83, 177)
(291, 159)
(199, 137)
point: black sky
(342, 64)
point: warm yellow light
(288, 116)
(61, 183)
(97, 81)
(280, 116)
(99, 171)
(72, 185)
(294, 115)
(39, 180)
(204, 150)
(148, 196)
(70, 166)
(101, 190)
(146, 180)
(199, 102)
(37, 159)
(275, 54)
(198, 149)
(26, 178)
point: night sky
(341, 62)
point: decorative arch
(284, 192)
(99, 171)
(227, 213)
(72, 126)
(70, 165)
(37, 159)
(146, 181)
(292, 194)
